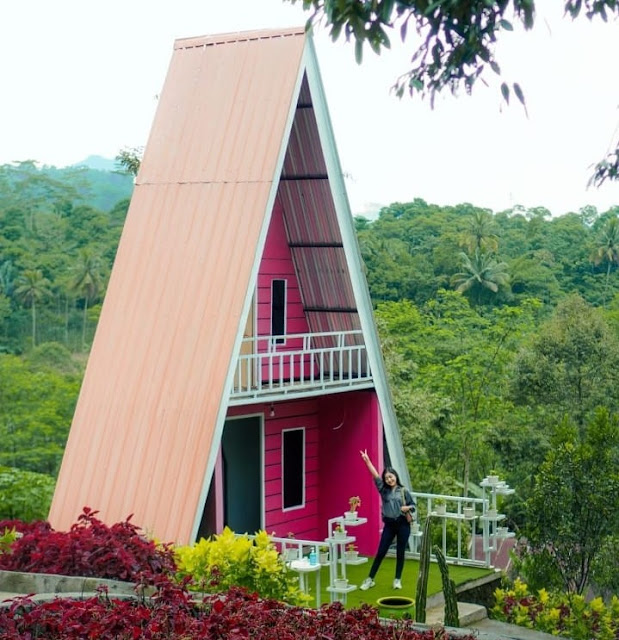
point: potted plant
(323, 554)
(502, 532)
(468, 510)
(351, 551)
(291, 553)
(340, 583)
(339, 533)
(414, 528)
(492, 513)
(354, 502)
(440, 506)
(493, 477)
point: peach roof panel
(153, 390)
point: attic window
(293, 468)
(278, 310)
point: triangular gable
(150, 414)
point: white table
(303, 568)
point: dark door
(241, 448)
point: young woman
(396, 502)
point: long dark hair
(392, 471)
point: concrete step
(467, 613)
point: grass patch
(384, 579)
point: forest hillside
(500, 332)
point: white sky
(80, 77)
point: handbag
(407, 514)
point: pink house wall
(350, 423)
(336, 428)
(302, 521)
(277, 264)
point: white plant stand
(490, 517)
(338, 561)
(304, 568)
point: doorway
(241, 447)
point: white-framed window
(293, 468)
(278, 310)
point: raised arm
(368, 464)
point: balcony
(300, 365)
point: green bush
(556, 613)
(228, 560)
(24, 495)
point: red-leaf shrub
(237, 615)
(90, 549)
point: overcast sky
(80, 78)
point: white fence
(270, 365)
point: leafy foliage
(226, 560)
(36, 406)
(24, 495)
(89, 548)
(570, 365)
(173, 614)
(557, 614)
(574, 508)
(455, 43)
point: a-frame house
(235, 372)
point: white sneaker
(397, 584)
(368, 583)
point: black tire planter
(396, 602)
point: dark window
(293, 467)
(278, 309)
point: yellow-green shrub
(6, 540)
(227, 560)
(558, 613)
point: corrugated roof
(151, 395)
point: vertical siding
(154, 391)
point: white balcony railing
(272, 366)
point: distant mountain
(98, 162)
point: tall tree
(480, 233)
(575, 504)
(570, 365)
(480, 273)
(32, 287)
(87, 281)
(608, 249)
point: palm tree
(87, 281)
(479, 274)
(480, 232)
(608, 249)
(32, 286)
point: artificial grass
(384, 579)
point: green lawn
(357, 573)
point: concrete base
(467, 613)
(46, 586)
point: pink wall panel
(291, 415)
(274, 457)
(302, 527)
(277, 264)
(350, 422)
(274, 502)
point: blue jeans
(401, 529)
